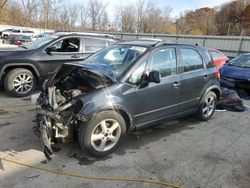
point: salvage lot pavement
(185, 152)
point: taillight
(217, 73)
(18, 42)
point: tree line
(232, 18)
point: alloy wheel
(106, 135)
(23, 83)
(208, 106)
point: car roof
(103, 35)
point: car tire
(102, 134)
(19, 82)
(207, 106)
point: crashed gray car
(123, 88)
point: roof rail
(90, 34)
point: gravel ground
(189, 153)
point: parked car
(2, 33)
(122, 88)
(17, 31)
(218, 57)
(236, 74)
(19, 39)
(22, 68)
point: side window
(215, 54)
(67, 45)
(136, 76)
(93, 44)
(191, 59)
(164, 61)
(208, 60)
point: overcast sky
(177, 5)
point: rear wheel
(103, 133)
(207, 106)
(20, 82)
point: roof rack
(90, 34)
(175, 42)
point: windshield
(118, 57)
(40, 42)
(241, 61)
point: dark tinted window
(164, 61)
(93, 44)
(191, 59)
(28, 31)
(16, 31)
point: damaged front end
(59, 105)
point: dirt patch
(26, 99)
(83, 160)
(3, 112)
(5, 124)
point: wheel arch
(8, 67)
(215, 89)
(119, 109)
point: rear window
(215, 54)
(94, 44)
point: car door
(193, 77)
(67, 49)
(158, 100)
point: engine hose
(92, 177)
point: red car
(219, 58)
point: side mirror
(154, 76)
(227, 61)
(50, 49)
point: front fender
(90, 109)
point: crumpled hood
(96, 71)
(235, 72)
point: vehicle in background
(125, 87)
(35, 37)
(19, 39)
(25, 67)
(5, 32)
(17, 31)
(218, 57)
(236, 73)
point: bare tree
(29, 7)
(128, 19)
(83, 17)
(98, 14)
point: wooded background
(232, 18)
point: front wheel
(20, 82)
(102, 134)
(207, 106)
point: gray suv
(123, 88)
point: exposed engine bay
(58, 105)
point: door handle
(76, 56)
(176, 84)
(205, 77)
